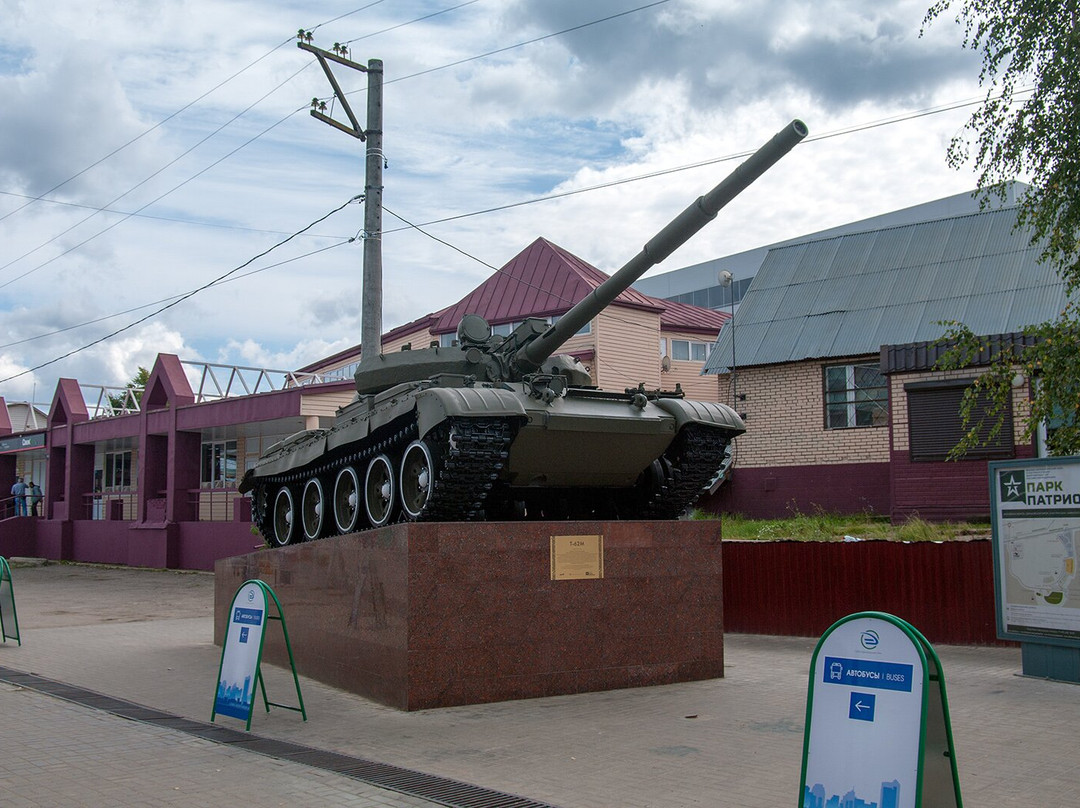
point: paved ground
(146, 636)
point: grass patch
(837, 527)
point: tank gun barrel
(675, 234)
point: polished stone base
(428, 615)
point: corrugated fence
(946, 589)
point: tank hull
(457, 450)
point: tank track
(468, 454)
(475, 451)
(695, 455)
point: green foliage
(1048, 355)
(822, 526)
(1028, 125)
(121, 401)
(1029, 48)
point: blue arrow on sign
(861, 706)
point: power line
(232, 279)
(419, 227)
(521, 44)
(701, 164)
(143, 182)
(410, 22)
(184, 108)
(142, 134)
(125, 218)
(173, 219)
(181, 298)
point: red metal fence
(946, 590)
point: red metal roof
(541, 280)
(685, 317)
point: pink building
(154, 484)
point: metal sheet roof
(851, 294)
(542, 279)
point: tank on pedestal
(504, 427)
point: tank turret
(500, 427)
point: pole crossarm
(325, 56)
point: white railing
(104, 401)
(209, 382)
(214, 382)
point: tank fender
(709, 413)
(296, 450)
(436, 404)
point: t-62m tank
(504, 427)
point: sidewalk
(146, 637)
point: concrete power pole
(372, 308)
(371, 305)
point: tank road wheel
(417, 478)
(379, 490)
(283, 528)
(347, 499)
(313, 508)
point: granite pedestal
(422, 615)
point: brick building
(831, 358)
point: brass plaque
(575, 558)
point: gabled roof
(541, 280)
(851, 294)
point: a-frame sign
(241, 654)
(877, 719)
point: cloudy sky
(149, 148)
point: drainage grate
(440, 790)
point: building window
(855, 395)
(934, 425)
(117, 471)
(685, 350)
(219, 464)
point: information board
(1036, 536)
(867, 719)
(577, 558)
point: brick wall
(955, 490)
(785, 421)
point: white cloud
(678, 84)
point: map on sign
(1036, 516)
(1040, 557)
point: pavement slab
(146, 636)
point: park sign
(1035, 505)
(877, 721)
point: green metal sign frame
(9, 618)
(936, 778)
(246, 707)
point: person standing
(33, 498)
(19, 492)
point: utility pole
(371, 304)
